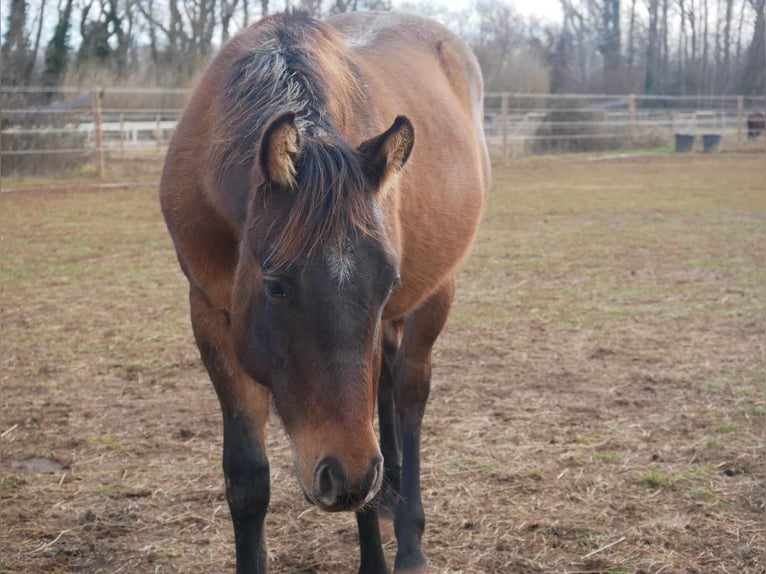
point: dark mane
(288, 62)
(291, 62)
(274, 76)
(328, 203)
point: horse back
(414, 66)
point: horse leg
(412, 387)
(390, 445)
(373, 559)
(245, 408)
(371, 548)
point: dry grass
(598, 401)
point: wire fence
(46, 131)
(522, 124)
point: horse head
(315, 270)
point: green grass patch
(704, 470)
(109, 490)
(608, 456)
(727, 429)
(11, 482)
(535, 475)
(108, 441)
(166, 554)
(707, 496)
(478, 465)
(653, 479)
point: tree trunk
(665, 51)
(57, 52)
(36, 46)
(753, 72)
(705, 84)
(651, 79)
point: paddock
(598, 400)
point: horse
(756, 123)
(323, 184)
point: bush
(571, 130)
(68, 152)
(27, 132)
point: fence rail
(52, 130)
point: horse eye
(397, 281)
(274, 288)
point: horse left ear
(385, 155)
(279, 149)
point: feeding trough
(684, 143)
(711, 142)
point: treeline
(668, 47)
(610, 46)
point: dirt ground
(598, 399)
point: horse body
(756, 123)
(320, 241)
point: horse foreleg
(370, 545)
(412, 387)
(373, 560)
(390, 446)
(247, 490)
(245, 408)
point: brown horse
(321, 188)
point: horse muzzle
(332, 491)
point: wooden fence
(53, 130)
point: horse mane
(291, 62)
(329, 202)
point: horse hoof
(411, 565)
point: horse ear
(386, 154)
(279, 149)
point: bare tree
(312, 7)
(106, 34)
(652, 78)
(186, 32)
(607, 14)
(228, 8)
(509, 56)
(752, 81)
(57, 51)
(15, 48)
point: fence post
(504, 123)
(97, 131)
(158, 131)
(122, 135)
(632, 114)
(740, 117)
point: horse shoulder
(205, 240)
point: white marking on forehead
(341, 265)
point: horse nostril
(371, 483)
(323, 483)
(330, 482)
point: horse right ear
(385, 155)
(279, 150)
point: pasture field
(598, 401)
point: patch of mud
(38, 465)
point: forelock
(330, 203)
